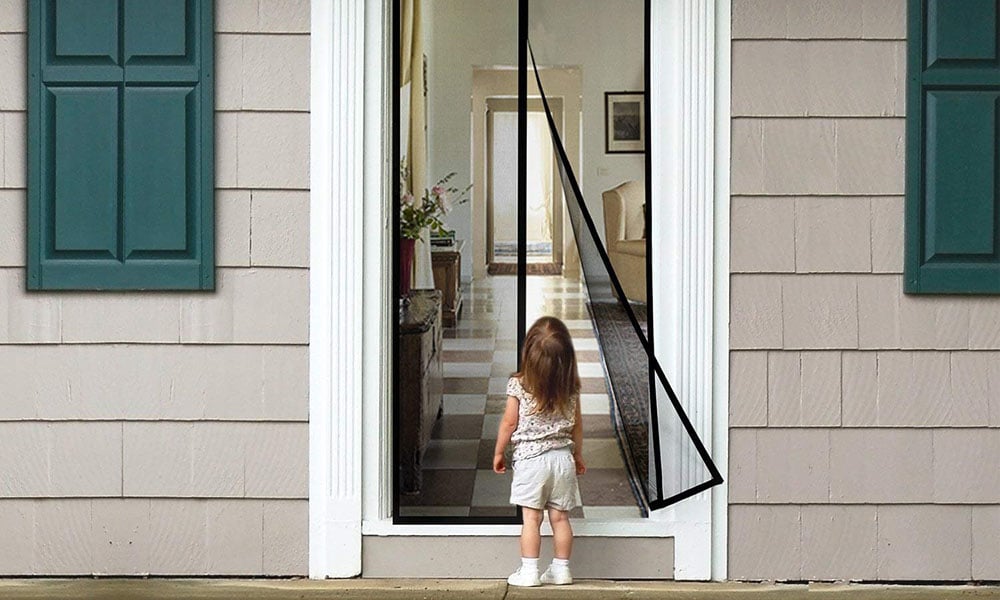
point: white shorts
(546, 481)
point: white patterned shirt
(536, 432)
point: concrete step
(483, 589)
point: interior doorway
(544, 191)
(494, 170)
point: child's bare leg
(531, 537)
(562, 533)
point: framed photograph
(624, 122)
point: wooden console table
(421, 383)
(447, 265)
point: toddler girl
(542, 421)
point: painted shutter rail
(953, 163)
(120, 111)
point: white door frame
(349, 445)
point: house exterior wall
(863, 442)
(167, 433)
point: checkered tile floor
(479, 355)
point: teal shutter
(952, 156)
(120, 145)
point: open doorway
(544, 191)
(354, 413)
(449, 379)
(494, 172)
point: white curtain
(411, 63)
(539, 179)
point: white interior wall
(603, 37)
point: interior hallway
(479, 356)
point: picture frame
(624, 122)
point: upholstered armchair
(624, 234)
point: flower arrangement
(437, 202)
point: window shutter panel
(120, 152)
(952, 159)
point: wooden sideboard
(420, 382)
(447, 265)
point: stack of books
(443, 241)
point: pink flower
(444, 203)
(407, 199)
(437, 190)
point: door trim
(690, 89)
(349, 208)
(720, 251)
(338, 94)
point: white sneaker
(523, 577)
(557, 576)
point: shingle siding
(109, 536)
(863, 439)
(167, 433)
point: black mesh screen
(666, 457)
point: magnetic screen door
(459, 328)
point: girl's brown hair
(548, 366)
